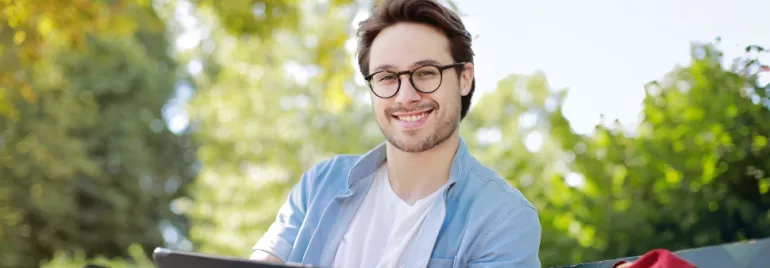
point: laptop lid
(167, 258)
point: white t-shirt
(382, 229)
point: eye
(426, 72)
(386, 77)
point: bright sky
(604, 51)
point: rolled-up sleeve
(280, 236)
(512, 242)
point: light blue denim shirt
(484, 222)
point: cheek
(379, 106)
(448, 99)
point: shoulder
(497, 201)
(506, 221)
(330, 173)
(493, 190)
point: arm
(513, 241)
(265, 256)
(277, 243)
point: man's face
(414, 121)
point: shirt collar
(369, 162)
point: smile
(411, 120)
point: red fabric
(659, 258)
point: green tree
(694, 172)
(692, 176)
(28, 26)
(708, 127)
(137, 258)
(86, 161)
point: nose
(407, 94)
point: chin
(412, 143)
(411, 147)
(420, 138)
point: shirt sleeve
(280, 236)
(513, 243)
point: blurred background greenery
(113, 141)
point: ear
(466, 79)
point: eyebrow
(384, 67)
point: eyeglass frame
(441, 69)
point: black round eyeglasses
(425, 79)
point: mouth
(413, 119)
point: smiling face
(413, 121)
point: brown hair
(391, 12)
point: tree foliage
(137, 258)
(86, 161)
(29, 26)
(693, 173)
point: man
(419, 199)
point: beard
(443, 130)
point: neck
(414, 176)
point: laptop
(168, 258)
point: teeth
(412, 118)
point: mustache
(418, 107)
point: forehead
(404, 44)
